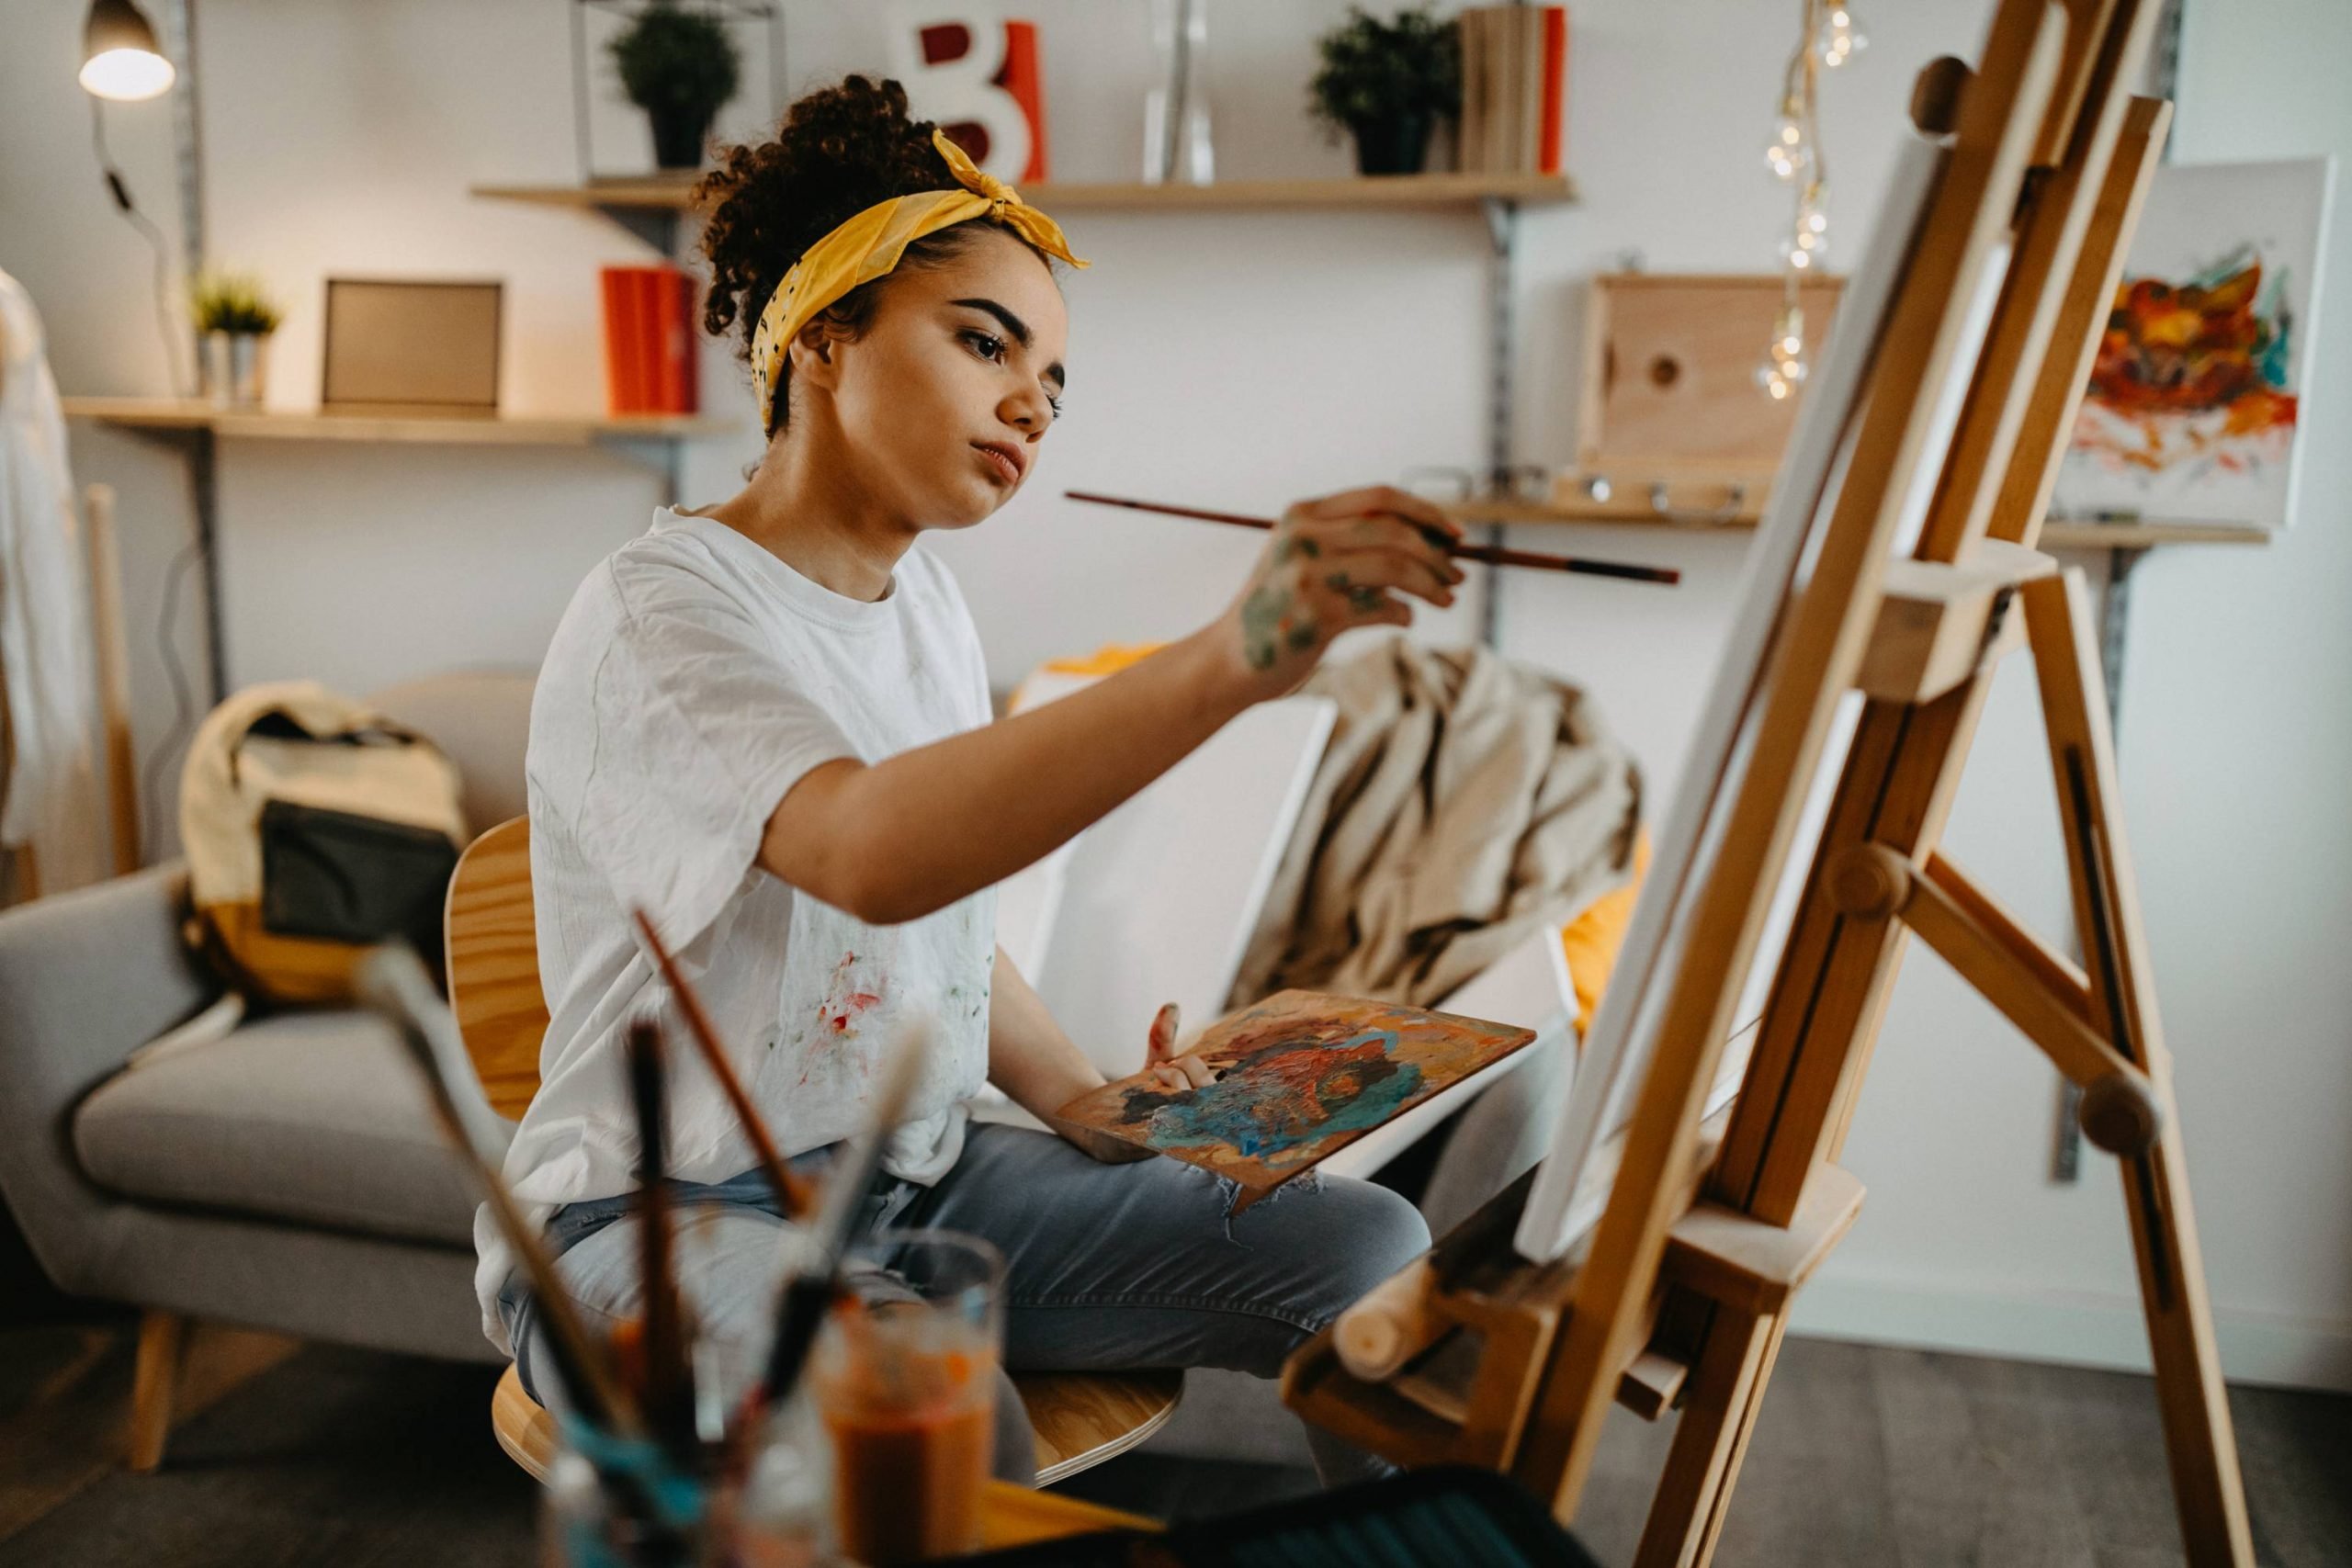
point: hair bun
(837, 152)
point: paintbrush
(1491, 555)
(810, 1288)
(667, 1394)
(792, 1188)
(393, 981)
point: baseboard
(2076, 1329)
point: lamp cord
(183, 699)
(130, 209)
(174, 671)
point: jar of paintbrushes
(760, 1499)
(671, 1457)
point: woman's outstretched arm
(895, 839)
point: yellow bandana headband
(870, 246)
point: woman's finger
(1196, 1073)
(1393, 612)
(1321, 539)
(1419, 510)
(1161, 1043)
(1363, 577)
(1180, 1074)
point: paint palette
(1301, 1075)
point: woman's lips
(1006, 468)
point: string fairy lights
(1829, 39)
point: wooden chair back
(494, 956)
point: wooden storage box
(1671, 424)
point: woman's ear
(816, 359)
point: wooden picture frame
(415, 346)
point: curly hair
(837, 152)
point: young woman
(766, 723)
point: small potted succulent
(234, 318)
(679, 66)
(1389, 84)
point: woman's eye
(988, 346)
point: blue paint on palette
(1279, 1100)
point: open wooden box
(1671, 425)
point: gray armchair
(286, 1176)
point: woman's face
(943, 402)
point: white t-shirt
(694, 679)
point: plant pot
(236, 369)
(679, 131)
(1393, 144)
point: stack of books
(1514, 88)
(648, 340)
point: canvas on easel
(1898, 573)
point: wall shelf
(2056, 534)
(482, 430)
(670, 193)
(195, 429)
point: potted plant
(1389, 84)
(235, 319)
(679, 67)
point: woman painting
(766, 724)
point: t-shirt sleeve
(688, 728)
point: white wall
(1242, 359)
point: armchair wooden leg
(163, 1336)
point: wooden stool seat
(1081, 1419)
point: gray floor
(1869, 1456)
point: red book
(674, 338)
(1556, 88)
(1024, 77)
(609, 294)
(645, 336)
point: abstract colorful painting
(1300, 1077)
(2194, 410)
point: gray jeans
(1108, 1267)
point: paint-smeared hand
(1332, 565)
(1163, 1068)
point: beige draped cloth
(1462, 800)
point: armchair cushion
(315, 1118)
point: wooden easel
(1681, 1296)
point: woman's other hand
(1165, 1070)
(1334, 564)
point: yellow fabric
(1593, 939)
(870, 246)
(1108, 660)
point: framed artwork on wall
(2194, 412)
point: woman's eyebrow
(1012, 323)
(1019, 330)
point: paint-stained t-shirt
(695, 678)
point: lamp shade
(120, 58)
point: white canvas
(1564, 1203)
(2194, 410)
(1157, 901)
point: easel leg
(2189, 1392)
(1719, 1410)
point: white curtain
(52, 803)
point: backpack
(314, 827)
